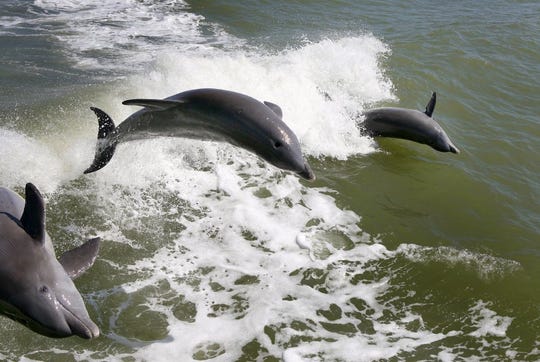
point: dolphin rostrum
(409, 124)
(36, 289)
(206, 114)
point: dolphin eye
(44, 289)
(278, 144)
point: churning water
(396, 252)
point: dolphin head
(270, 138)
(283, 151)
(35, 289)
(48, 302)
(440, 140)
(444, 145)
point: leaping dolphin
(206, 114)
(409, 124)
(35, 288)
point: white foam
(446, 356)
(45, 162)
(233, 231)
(296, 79)
(123, 35)
(321, 86)
(488, 322)
(486, 266)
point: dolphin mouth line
(14, 313)
(17, 316)
(87, 330)
(307, 173)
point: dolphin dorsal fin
(156, 104)
(78, 260)
(431, 104)
(275, 108)
(33, 216)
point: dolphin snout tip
(89, 332)
(86, 329)
(454, 149)
(94, 331)
(307, 173)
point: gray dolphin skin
(36, 289)
(409, 124)
(207, 114)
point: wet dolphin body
(409, 124)
(207, 114)
(36, 289)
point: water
(396, 252)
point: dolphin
(206, 114)
(36, 289)
(409, 124)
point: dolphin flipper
(33, 216)
(431, 105)
(275, 108)
(156, 104)
(78, 260)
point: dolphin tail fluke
(105, 148)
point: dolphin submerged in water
(36, 289)
(409, 124)
(206, 114)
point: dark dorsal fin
(275, 108)
(76, 261)
(157, 104)
(431, 105)
(33, 217)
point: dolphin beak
(89, 331)
(83, 327)
(454, 149)
(80, 323)
(307, 173)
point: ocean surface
(396, 253)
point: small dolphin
(206, 114)
(409, 124)
(35, 288)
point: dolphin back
(11, 203)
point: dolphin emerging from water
(36, 289)
(207, 114)
(409, 124)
